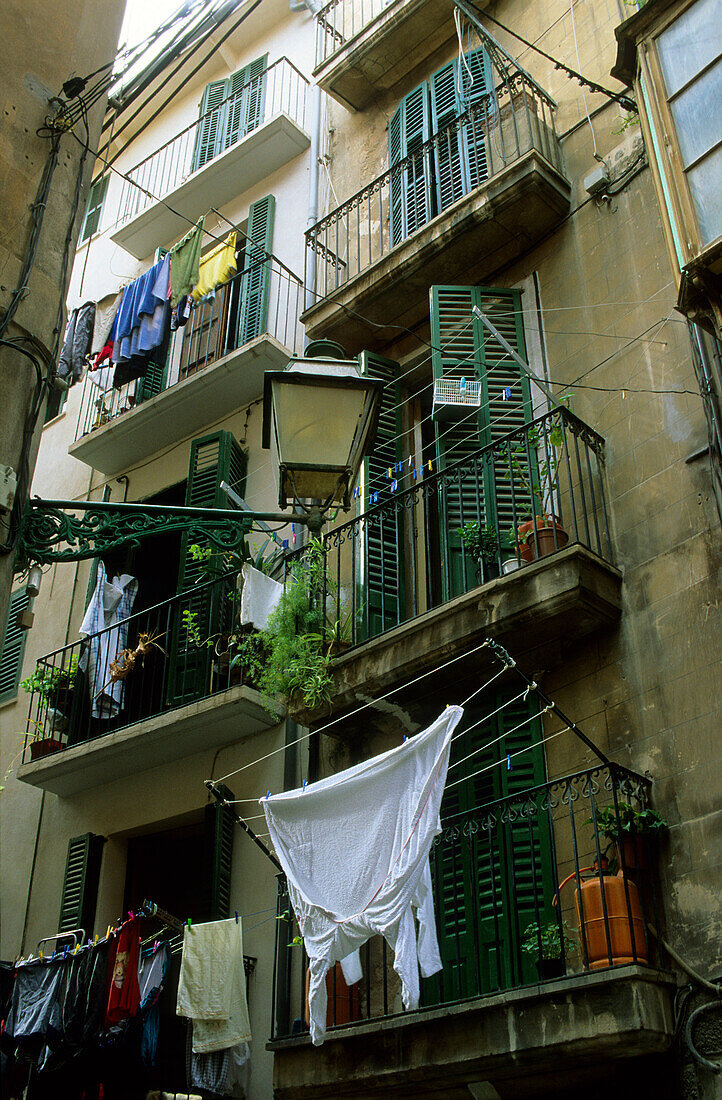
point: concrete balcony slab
(542, 1040)
(226, 717)
(183, 409)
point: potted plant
(482, 546)
(544, 945)
(628, 830)
(52, 685)
(542, 533)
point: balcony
(365, 48)
(181, 697)
(409, 594)
(214, 364)
(259, 128)
(475, 196)
(500, 1019)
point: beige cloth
(105, 311)
(212, 985)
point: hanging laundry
(124, 989)
(212, 985)
(259, 597)
(179, 314)
(111, 603)
(342, 893)
(185, 263)
(152, 974)
(35, 1000)
(77, 342)
(216, 267)
(142, 323)
(106, 310)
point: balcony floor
(552, 1039)
(221, 719)
(254, 158)
(478, 234)
(544, 606)
(183, 409)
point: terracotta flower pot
(44, 747)
(550, 536)
(631, 854)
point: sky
(143, 16)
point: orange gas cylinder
(623, 919)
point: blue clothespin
(414, 473)
(236, 915)
(508, 763)
(406, 737)
(304, 784)
(268, 794)
(506, 393)
(462, 387)
(65, 952)
(394, 485)
(293, 528)
(284, 544)
(374, 497)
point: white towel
(259, 597)
(212, 985)
(355, 849)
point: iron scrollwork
(55, 535)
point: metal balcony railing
(265, 298)
(182, 650)
(279, 88)
(341, 20)
(460, 158)
(502, 918)
(530, 493)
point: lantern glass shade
(320, 418)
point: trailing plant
(44, 681)
(545, 942)
(627, 821)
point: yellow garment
(217, 266)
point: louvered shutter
(80, 883)
(246, 107)
(153, 381)
(383, 546)
(451, 179)
(476, 96)
(411, 206)
(253, 304)
(219, 830)
(461, 348)
(13, 649)
(492, 880)
(94, 209)
(209, 133)
(214, 458)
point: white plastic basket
(454, 401)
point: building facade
(530, 270)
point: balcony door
(230, 109)
(492, 871)
(483, 490)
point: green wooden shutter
(219, 830)
(247, 89)
(492, 882)
(462, 348)
(214, 458)
(94, 209)
(411, 205)
(451, 177)
(209, 133)
(80, 883)
(13, 649)
(152, 382)
(476, 89)
(382, 557)
(253, 304)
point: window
(94, 209)
(689, 52)
(230, 109)
(13, 649)
(434, 178)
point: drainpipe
(313, 182)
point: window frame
(16, 597)
(100, 186)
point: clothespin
(411, 461)
(394, 485)
(375, 497)
(388, 472)
(304, 784)
(430, 466)
(462, 387)
(131, 914)
(40, 954)
(156, 945)
(294, 539)
(188, 922)
(414, 473)
(293, 528)
(65, 952)
(508, 762)
(235, 913)
(355, 493)
(406, 737)
(506, 393)
(95, 941)
(268, 794)
(108, 930)
(76, 949)
(284, 544)
(53, 954)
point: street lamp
(320, 417)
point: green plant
(538, 481)
(545, 942)
(627, 821)
(250, 653)
(480, 543)
(45, 680)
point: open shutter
(461, 348)
(214, 458)
(490, 883)
(13, 649)
(94, 209)
(477, 91)
(211, 125)
(383, 543)
(80, 883)
(153, 381)
(247, 91)
(219, 830)
(451, 178)
(410, 185)
(253, 305)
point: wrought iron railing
(165, 656)
(504, 915)
(531, 493)
(265, 298)
(280, 88)
(341, 20)
(460, 158)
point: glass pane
(705, 183)
(690, 43)
(697, 113)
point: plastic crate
(454, 401)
